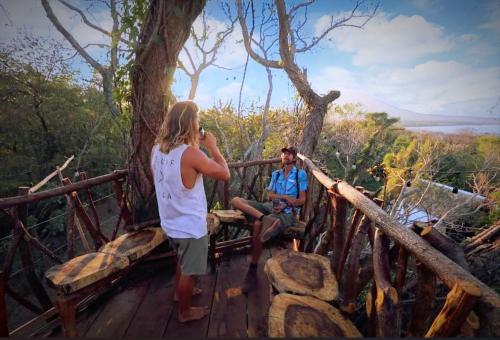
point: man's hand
(210, 142)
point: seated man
(286, 192)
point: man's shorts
(286, 220)
(192, 254)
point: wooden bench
(237, 219)
(92, 272)
(89, 273)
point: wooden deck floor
(142, 305)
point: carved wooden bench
(89, 273)
(237, 218)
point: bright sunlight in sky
(425, 56)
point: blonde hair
(179, 127)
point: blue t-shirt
(288, 186)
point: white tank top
(183, 211)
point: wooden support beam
(250, 163)
(351, 277)
(11, 252)
(356, 219)
(83, 176)
(402, 265)
(76, 222)
(425, 297)
(97, 236)
(121, 199)
(446, 245)
(27, 260)
(4, 328)
(483, 237)
(387, 300)
(22, 301)
(458, 305)
(339, 205)
(39, 196)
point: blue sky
(426, 56)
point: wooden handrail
(250, 163)
(30, 198)
(447, 270)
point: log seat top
(83, 271)
(136, 244)
(301, 273)
(237, 216)
(294, 316)
(229, 216)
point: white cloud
(399, 40)
(431, 87)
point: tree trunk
(165, 30)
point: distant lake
(493, 129)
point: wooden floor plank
(259, 300)
(117, 313)
(198, 328)
(228, 315)
(153, 314)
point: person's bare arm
(215, 167)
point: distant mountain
(407, 117)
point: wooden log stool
(88, 274)
(301, 273)
(305, 316)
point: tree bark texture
(457, 307)
(425, 296)
(387, 300)
(165, 30)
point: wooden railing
(390, 246)
(80, 224)
(365, 245)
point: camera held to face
(202, 133)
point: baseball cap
(290, 149)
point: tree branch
(87, 21)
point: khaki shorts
(286, 220)
(192, 254)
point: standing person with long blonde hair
(178, 167)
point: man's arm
(215, 167)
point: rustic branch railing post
(458, 305)
(83, 176)
(72, 222)
(336, 242)
(4, 328)
(351, 277)
(425, 297)
(121, 199)
(402, 265)
(386, 302)
(26, 259)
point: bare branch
(70, 38)
(342, 22)
(87, 21)
(248, 42)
